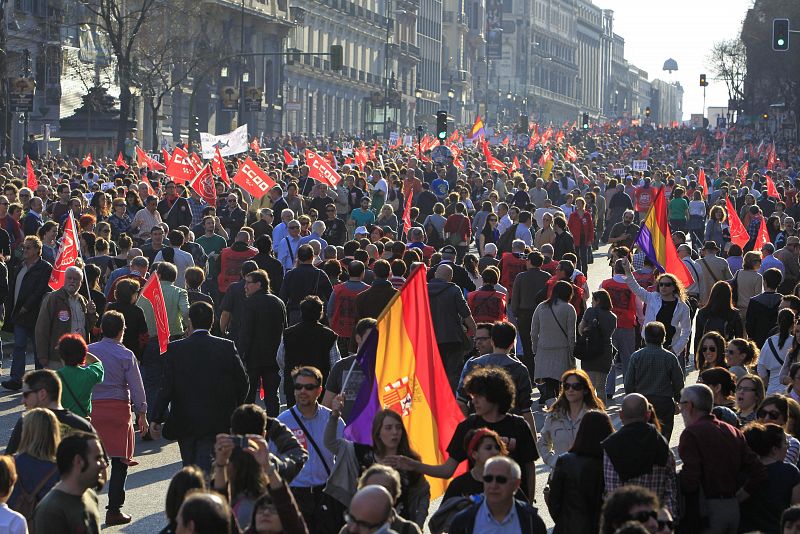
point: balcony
(409, 49)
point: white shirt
(769, 367)
(504, 223)
(183, 260)
(12, 522)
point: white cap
(361, 230)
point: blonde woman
(36, 456)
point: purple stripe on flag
(645, 242)
(367, 404)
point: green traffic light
(781, 42)
(442, 135)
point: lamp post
(243, 76)
(450, 95)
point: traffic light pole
(193, 128)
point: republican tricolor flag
(477, 128)
(403, 371)
(655, 240)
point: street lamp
(450, 95)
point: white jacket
(681, 319)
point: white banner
(231, 143)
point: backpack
(434, 238)
(506, 239)
(720, 325)
(590, 345)
(27, 501)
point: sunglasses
(307, 387)
(500, 479)
(709, 349)
(745, 389)
(350, 520)
(768, 414)
(665, 523)
(294, 228)
(665, 284)
(644, 516)
(574, 386)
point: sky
(684, 30)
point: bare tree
(121, 23)
(728, 62)
(169, 52)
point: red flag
(739, 234)
(121, 161)
(772, 191)
(87, 160)
(152, 292)
(743, 170)
(33, 183)
(218, 167)
(739, 156)
(491, 161)
(559, 137)
(515, 164)
(727, 165)
(717, 166)
(67, 254)
(195, 161)
(255, 146)
(320, 170)
(763, 235)
(287, 158)
(645, 151)
(544, 157)
(771, 157)
(360, 157)
(143, 159)
(166, 155)
(506, 141)
(253, 179)
(146, 181)
(180, 167)
(407, 212)
(571, 154)
(701, 179)
(203, 183)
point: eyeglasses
(307, 387)
(267, 507)
(745, 389)
(231, 201)
(331, 210)
(574, 386)
(665, 523)
(768, 414)
(350, 520)
(482, 338)
(665, 284)
(644, 516)
(709, 349)
(500, 479)
(294, 228)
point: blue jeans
(152, 368)
(21, 337)
(624, 339)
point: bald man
(450, 314)
(639, 454)
(371, 511)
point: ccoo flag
(403, 372)
(655, 240)
(67, 254)
(152, 293)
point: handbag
(590, 345)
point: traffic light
(441, 126)
(647, 111)
(780, 35)
(585, 121)
(703, 82)
(337, 57)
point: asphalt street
(159, 460)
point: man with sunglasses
(307, 420)
(42, 389)
(717, 462)
(631, 503)
(498, 511)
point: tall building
(591, 41)
(429, 40)
(666, 102)
(462, 45)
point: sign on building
(20, 94)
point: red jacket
(581, 227)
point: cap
(361, 230)
(448, 249)
(387, 229)
(793, 240)
(710, 245)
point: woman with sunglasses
(489, 233)
(719, 314)
(667, 306)
(710, 352)
(749, 394)
(776, 351)
(741, 356)
(480, 444)
(120, 219)
(576, 484)
(775, 409)
(762, 510)
(564, 417)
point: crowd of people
(269, 299)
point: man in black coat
(204, 382)
(302, 281)
(263, 321)
(22, 310)
(460, 276)
(174, 209)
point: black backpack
(434, 237)
(507, 238)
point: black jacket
(298, 283)
(576, 494)
(762, 315)
(33, 289)
(274, 270)
(180, 213)
(529, 520)
(563, 243)
(263, 322)
(204, 382)
(460, 276)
